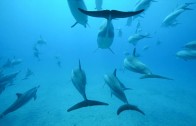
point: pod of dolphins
(105, 39)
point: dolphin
(142, 4)
(7, 80)
(41, 41)
(191, 45)
(135, 38)
(98, 4)
(106, 34)
(79, 17)
(36, 52)
(11, 63)
(21, 100)
(58, 61)
(186, 54)
(133, 64)
(28, 74)
(116, 89)
(119, 32)
(79, 81)
(171, 19)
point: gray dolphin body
(116, 89)
(28, 74)
(79, 17)
(106, 35)
(187, 54)
(133, 64)
(7, 80)
(135, 38)
(21, 100)
(191, 45)
(171, 19)
(79, 81)
(11, 63)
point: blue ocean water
(165, 103)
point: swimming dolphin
(171, 19)
(11, 63)
(133, 64)
(186, 54)
(116, 89)
(79, 81)
(58, 61)
(106, 35)
(135, 38)
(28, 74)
(141, 4)
(21, 100)
(98, 4)
(79, 17)
(191, 45)
(7, 80)
(119, 32)
(41, 41)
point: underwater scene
(98, 63)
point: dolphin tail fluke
(86, 103)
(129, 107)
(155, 76)
(110, 14)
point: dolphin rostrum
(79, 81)
(116, 89)
(21, 100)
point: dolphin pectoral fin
(111, 51)
(74, 24)
(86, 103)
(110, 14)
(129, 107)
(155, 76)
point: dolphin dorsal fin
(18, 95)
(79, 65)
(114, 72)
(134, 52)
